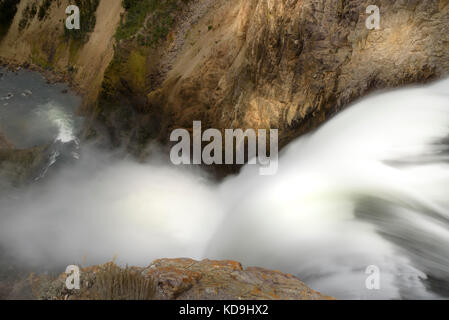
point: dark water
(33, 112)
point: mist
(103, 207)
(367, 188)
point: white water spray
(368, 188)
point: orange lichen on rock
(187, 279)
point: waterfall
(368, 188)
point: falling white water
(64, 122)
(343, 201)
(65, 137)
(370, 187)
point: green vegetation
(88, 20)
(39, 59)
(132, 21)
(137, 66)
(87, 8)
(8, 9)
(107, 282)
(147, 20)
(115, 283)
(144, 27)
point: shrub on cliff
(115, 283)
(149, 21)
(106, 282)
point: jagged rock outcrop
(192, 280)
(186, 279)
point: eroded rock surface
(187, 279)
(291, 64)
(209, 279)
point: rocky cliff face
(183, 279)
(286, 64)
(291, 64)
(37, 37)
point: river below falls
(33, 112)
(370, 188)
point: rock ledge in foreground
(187, 279)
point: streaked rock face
(291, 64)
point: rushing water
(35, 113)
(370, 187)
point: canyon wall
(290, 64)
(37, 36)
(285, 64)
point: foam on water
(370, 187)
(36, 113)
